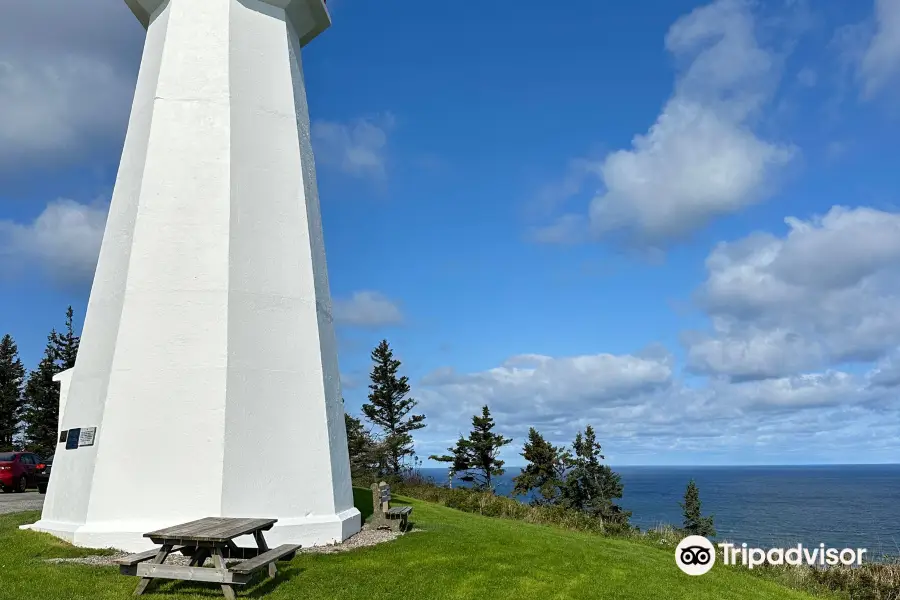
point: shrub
(487, 504)
(871, 581)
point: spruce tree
(389, 408)
(476, 457)
(459, 461)
(545, 469)
(66, 344)
(591, 486)
(366, 458)
(41, 398)
(12, 378)
(694, 522)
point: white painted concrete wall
(64, 378)
(208, 359)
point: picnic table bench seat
(134, 559)
(283, 552)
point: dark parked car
(18, 471)
(42, 478)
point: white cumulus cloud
(367, 308)
(643, 412)
(358, 148)
(64, 241)
(880, 62)
(67, 73)
(701, 158)
(825, 293)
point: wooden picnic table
(212, 537)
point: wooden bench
(266, 559)
(212, 537)
(386, 516)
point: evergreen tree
(41, 397)
(389, 408)
(12, 378)
(66, 344)
(366, 457)
(694, 522)
(591, 486)
(476, 457)
(545, 469)
(459, 461)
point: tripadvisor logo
(695, 555)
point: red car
(18, 471)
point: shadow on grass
(285, 574)
(259, 587)
(362, 500)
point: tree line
(29, 400)
(572, 477)
(553, 475)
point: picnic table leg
(159, 559)
(263, 547)
(219, 560)
(199, 557)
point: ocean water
(855, 506)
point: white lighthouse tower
(207, 379)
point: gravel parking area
(10, 502)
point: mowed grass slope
(456, 555)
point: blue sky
(673, 220)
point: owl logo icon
(695, 555)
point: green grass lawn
(457, 555)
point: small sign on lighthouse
(72, 438)
(87, 437)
